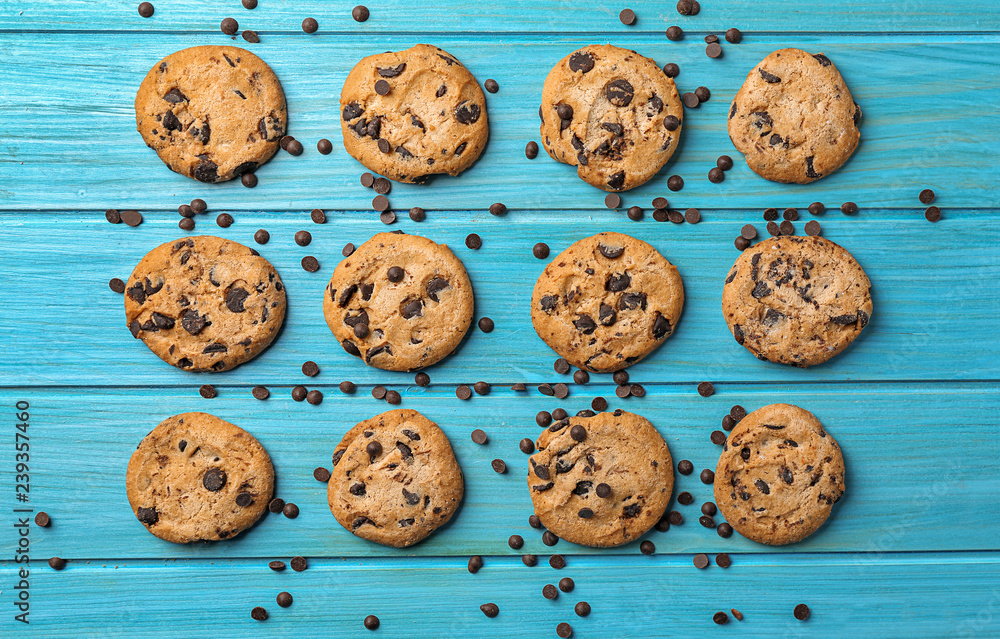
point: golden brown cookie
(411, 114)
(613, 114)
(196, 477)
(204, 303)
(211, 113)
(796, 300)
(779, 475)
(395, 479)
(399, 302)
(794, 119)
(602, 480)
(606, 302)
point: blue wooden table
(912, 549)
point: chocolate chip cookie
(395, 479)
(411, 114)
(796, 300)
(779, 475)
(602, 480)
(211, 113)
(204, 303)
(613, 114)
(196, 477)
(606, 302)
(399, 302)
(794, 119)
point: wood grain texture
(903, 492)
(76, 333)
(930, 112)
(553, 17)
(891, 595)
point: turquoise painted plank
(935, 304)
(920, 465)
(69, 139)
(892, 595)
(552, 17)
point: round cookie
(613, 114)
(415, 113)
(796, 300)
(399, 302)
(211, 113)
(204, 303)
(606, 302)
(794, 119)
(196, 477)
(602, 480)
(779, 475)
(395, 479)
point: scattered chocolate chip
(623, 391)
(258, 614)
(113, 216)
(561, 391)
(253, 38)
(490, 609)
(706, 521)
(566, 584)
(531, 150)
(709, 39)
(534, 521)
(527, 446)
(371, 621)
(647, 547)
(713, 50)
(475, 563)
(491, 85)
(261, 236)
(599, 404)
(479, 436)
(733, 36)
(393, 397)
(309, 25)
(627, 16)
(546, 389)
(675, 183)
(556, 561)
(707, 476)
(260, 392)
(499, 466)
(284, 599)
(324, 146)
(671, 70)
(422, 379)
(146, 9)
(291, 511)
(299, 393)
(310, 264)
(926, 196)
(813, 227)
(303, 238)
(116, 285)
(933, 214)
(786, 228)
(540, 250)
(314, 397)
(690, 100)
(497, 209)
(849, 208)
(207, 391)
(298, 563)
(42, 519)
(186, 224)
(612, 200)
(360, 13)
(701, 561)
(685, 467)
(675, 518)
(380, 203)
(516, 542)
(225, 220)
(463, 392)
(724, 530)
(582, 609)
(720, 618)
(275, 506)
(724, 162)
(685, 499)
(703, 94)
(248, 180)
(722, 560)
(674, 33)
(549, 591)
(131, 217)
(801, 612)
(748, 231)
(348, 250)
(417, 214)
(185, 210)
(473, 241)
(379, 392)
(229, 26)
(276, 566)
(387, 217)
(716, 175)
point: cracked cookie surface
(794, 119)
(196, 477)
(613, 114)
(204, 304)
(602, 480)
(796, 300)
(399, 302)
(211, 113)
(395, 479)
(411, 114)
(606, 302)
(779, 475)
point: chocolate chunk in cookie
(395, 479)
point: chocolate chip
(685, 499)
(707, 476)
(691, 101)
(324, 146)
(497, 209)
(647, 547)
(926, 196)
(786, 228)
(463, 392)
(801, 612)
(634, 213)
(849, 208)
(467, 112)
(309, 25)
(724, 530)
(549, 591)
(261, 236)
(380, 203)
(545, 389)
(748, 231)
(933, 214)
(701, 561)
(258, 614)
(360, 13)
(260, 392)
(243, 500)
(527, 446)
(314, 397)
(417, 214)
(556, 561)
(253, 38)
(675, 518)
(599, 404)
(248, 180)
(284, 599)
(706, 521)
(348, 250)
(713, 50)
(116, 285)
(310, 264)
(720, 618)
(371, 621)
(303, 238)
(703, 94)
(490, 609)
(674, 33)
(299, 393)
(516, 542)
(733, 36)
(581, 377)
(42, 519)
(627, 16)
(724, 162)
(612, 200)
(685, 467)
(229, 26)
(479, 436)
(275, 506)
(671, 70)
(675, 183)
(292, 511)
(499, 466)
(382, 87)
(475, 563)
(491, 85)
(276, 566)
(473, 241)
(131, 217)
(718, 437)
(378, 392)
(113, 216)
(813, 227)
(623, 391)
(716, 175)
(145, 9)
(578, 433)
(561, 391)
